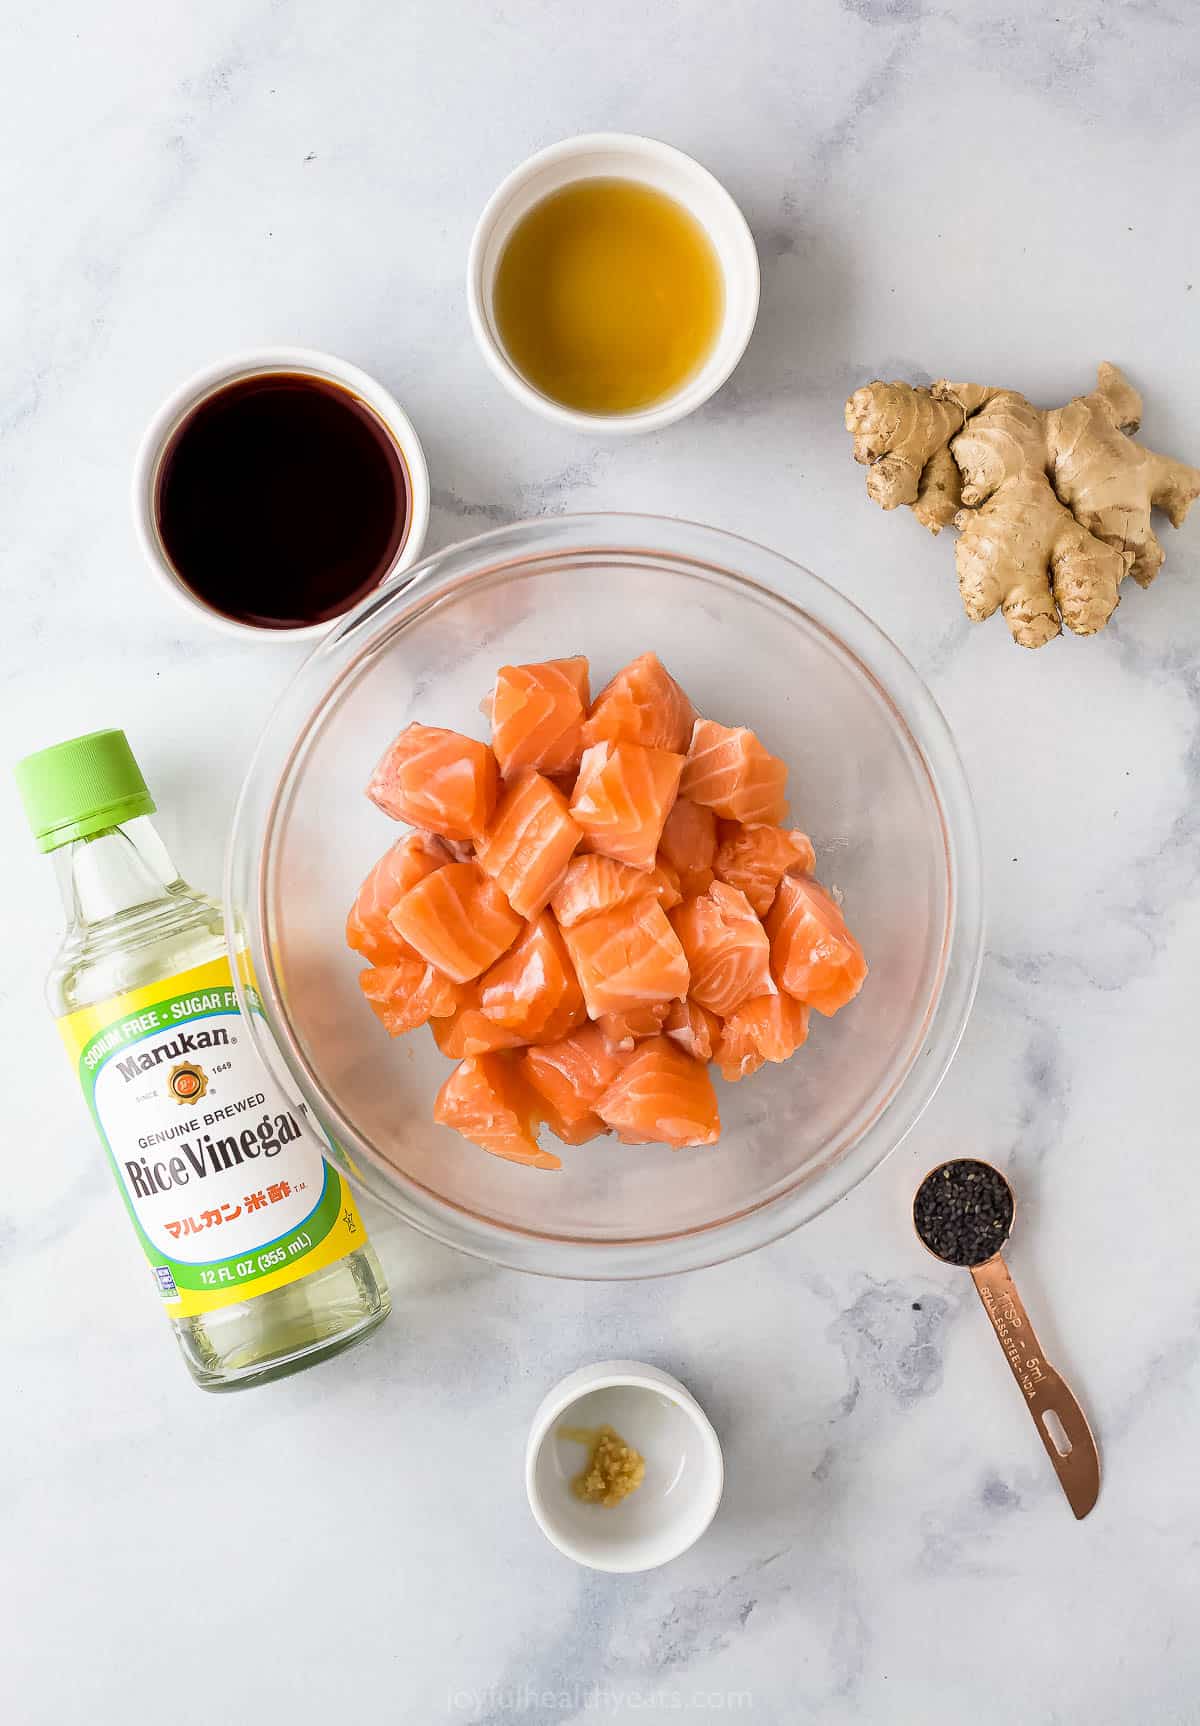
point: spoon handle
(1045, 1392)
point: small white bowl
(660, 1418)
(257, 363)
(622, 156)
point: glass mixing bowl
(875, 780)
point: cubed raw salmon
(694, 1028)
(757, 858)
(569, 1075)
(533, 990)
(368, 928)
(769, 1028)
(529, 843)
(622, 799)
(407, 993)
(689, 845)
(594, 912)
(630, 957)
(578, 1132)
(662, 1096)
(728, 770)
(813, 954)
(468, 1031)
(726, 947)
(458, 920)
(487, 1101)
(438, 780)
(593, 884)
(642, 704)
(624, 1030)
(537, 715)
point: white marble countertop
(997, 191)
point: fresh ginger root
(1053, 507)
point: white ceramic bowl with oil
(685, 1472)
(619, 156)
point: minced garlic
(613, 1469)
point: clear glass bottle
(254, 1240)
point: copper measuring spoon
(1061, 1423)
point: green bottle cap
(81, 787)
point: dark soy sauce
(282, 500)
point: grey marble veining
(998, 191)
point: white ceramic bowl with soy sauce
(277, 489)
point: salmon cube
(487, 1101)
(624, 1030)
(665, 880)
(468, 1031)
(813, 954)
(727, 951)
(694, 1028)
(662, 1096)
(437, 780)
(593, 884)
(529, 843)
(537, 715)
(643, 704)
(458, 920)
(622, 799)
(570, 1074)
(769, 1028)
(689, 845)
(533, 989)
(728, 770)
(368, 929)
(757, 858)
(630, 957)
(407, 994)
(579, 1132)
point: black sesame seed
(963, 1211)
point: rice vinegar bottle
(254, 1242)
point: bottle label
(225, 1179)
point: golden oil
(608, 296)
